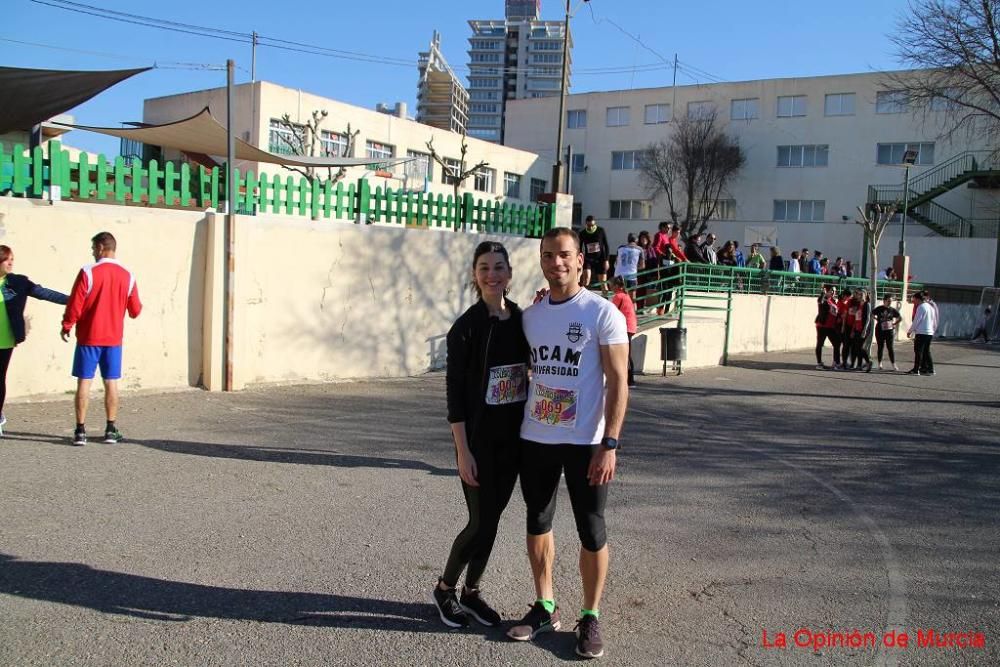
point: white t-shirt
(627, 262)
(566, 395)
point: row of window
(785, 210)
(788, 106)
(283, 140)
(807, 155)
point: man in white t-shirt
(572, 420)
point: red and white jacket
(101, 295)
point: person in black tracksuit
(486, 389)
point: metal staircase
(979, 168)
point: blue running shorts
(87, 358)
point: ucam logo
(575, 332)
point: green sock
(550, 605)
(590, 612)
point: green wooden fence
(36, 173)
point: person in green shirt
(15, 290)
(756, 260)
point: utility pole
(230, 229)
(673, 90)
(558, 167)
(253, 57)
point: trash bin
(673, 344)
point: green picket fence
(33, 174)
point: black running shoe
(913, 371)
(535, 622)
(475, 606)
(448, 607)
(79, 438)
(588, 637)
(113, 436)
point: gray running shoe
(588, 637)
(535, 622)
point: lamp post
(557, 168)
(909, 159)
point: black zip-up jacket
(476, 343)
(16, 291)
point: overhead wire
(166, 64)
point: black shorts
(541, 466)
(595, 265)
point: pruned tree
(692, 167)
(874, 220)
(456, 174)
(303, 139)
(953, 47)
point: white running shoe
(880, 365)
(895, 367)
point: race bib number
(886, 325)
(553, 407)
(593, 248)
(507, 384)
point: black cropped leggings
(497, 466)
(884, 340)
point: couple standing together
(565, 421)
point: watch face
(609, 443)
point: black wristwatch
(609, 443)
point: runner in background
(595, 253)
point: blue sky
(730, 40)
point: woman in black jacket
(15, 290)
(487, 382)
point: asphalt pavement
(306, 525)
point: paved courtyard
(305, 525)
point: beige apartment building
(512, 175)
(813, 147)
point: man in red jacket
(101, 295)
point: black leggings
(884, 340)
(859, 349)
(821, 335)
(922, 360)
(846, 349)
(496, 466)
(541, 467)
(4, 363)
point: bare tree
(457, 174)
(954, 47)
(303, 140)
(874, 220)
(692, 168)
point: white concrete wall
(164, 250)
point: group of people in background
(850, 323)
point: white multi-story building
(511, 174)
(813, 147)
(514, 58)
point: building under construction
(442, 100)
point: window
(378, 150)
(512, 185)
(803, 156)
(449, 176)
(333, 144)
(657, 113)
(630, 209)
(480, 107)
(946, 100)
(839, 104)
(484, 133)
(485, 44)
(579, 164)
(483, 83)
(537, 188)
(744, 109)
(625, 160)
(700, 110)
(576, 118)
(484, 95)
(484, 121)
(799, 210)
(486, 57)
(547, 46)
(891, 101)
(893, 153)
(790, 106)
(420, 166)
(283, 140)
(546, 58)
(725, 209)
(485, 178)
(618, 116)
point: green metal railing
(685, 289)
(36, 173)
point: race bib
(507, 384)
(886, 325)
(593, 248)
(553, 407)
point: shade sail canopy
(202, 133)
(30, 96)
